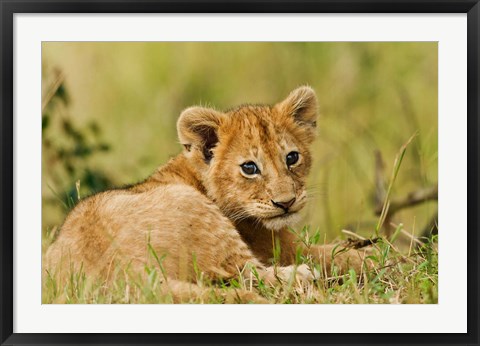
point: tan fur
(200, 209)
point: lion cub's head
(253, 160)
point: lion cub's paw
(302, 274)
(305, 273)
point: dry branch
(359, 243)
(412, 199)
(393, 206)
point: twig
(412, 199)
(358, 243)
(353, 234)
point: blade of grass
(396, 168)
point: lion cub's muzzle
(285, 205)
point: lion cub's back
(118, 224)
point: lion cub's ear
(197, 129)
(301, 104)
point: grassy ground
(409, 276)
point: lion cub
(215, 207)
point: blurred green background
(111, 120)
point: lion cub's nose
(284, 205)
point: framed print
(274, 172)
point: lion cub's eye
(292, 158)
(250, 168)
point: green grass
(409, 276)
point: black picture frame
(10, 7)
